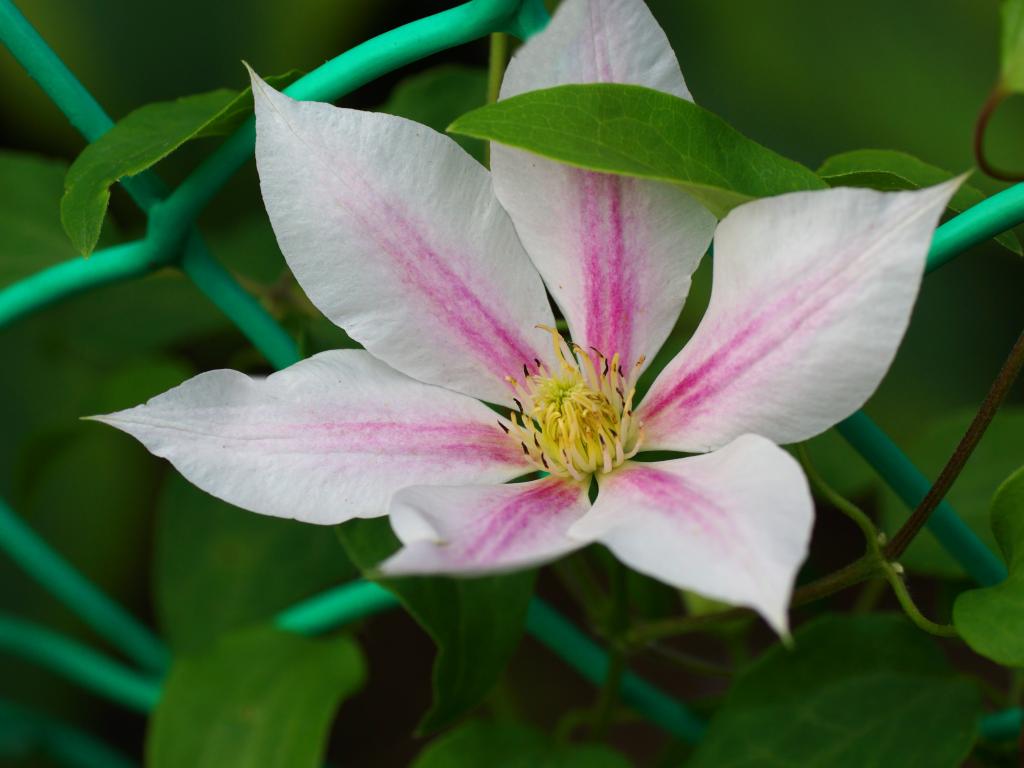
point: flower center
(579, 419)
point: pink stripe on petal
(609, 282)
(753, 341)
(616, 253)
(328, 439)
(732, 525)
(395, 234)
(434, 274)
(482, 529)
(812, 294)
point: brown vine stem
(988, 109)
(847, 576)
(996, 394)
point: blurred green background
(808, 79)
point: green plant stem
(690, 662)
(847, 576)
(996, 394)
(78, 663)
(497, 60)
(910, 484)
(869, 596)
(988, 110)
(837, 500)
(65, 582)
(616, 625)
(591, 661)
(579, 581)
(899, 588)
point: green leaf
(139, 141)
(889, 170)
(1012, 49)
(258, 699)
(510, 745)
(854, 691)
(30, 190)
(218, 567)
(437, 96)
(476, 624)
(991, 620)
(634, 131)
(997, 455)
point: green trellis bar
(76, 662)
(105, 616)
(171, 233)
(21, 729)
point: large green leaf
(510, 745)
(991, 620)
(258, 699)
(437, 96)
(997, 455)
(1012, 50)
(218, 567)
(475, 623)
(634, 131)
(139, 141)
(887, 169)
(854, 691)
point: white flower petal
(732, 525)
(616, 253)
(328, 439)
(484, 529)
(812, 294)
(597, 41)
(395, 234)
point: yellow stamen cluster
(579, 419)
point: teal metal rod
(348, 71)
(911, 486)
(588, 658)
(22, 728)
(68, 278)
(100, 612)
(336, 607)
(1005, 725)
(360, 599)
(86, 114)
(992, 216)
(64, 89)
(78, 663)
(245, 312)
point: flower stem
(496, 62)
(899, 587)
(497, 59)
(618, 623)
(833, 497)
(988, 109)
(996, 394)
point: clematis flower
(438, 268)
